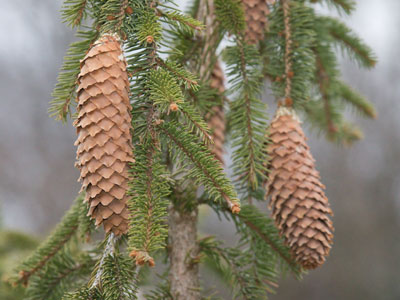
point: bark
(183, 252)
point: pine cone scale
(256, 12)
(104, 137)
(297, 200)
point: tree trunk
(184, 269)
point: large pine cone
(297, 200)
(104, 133)
(256, 12)
(216, 119)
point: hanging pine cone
(104, 138)
(216, 119)
(256, 12)
(297, 200)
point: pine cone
(256, 12)
(104, 138)
(297, 200)
(216, 119)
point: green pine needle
(247, 116)
(64, 93)
(119, 278)
(230, 14)
(74, 12)
(56, 242)
(349, 42)
(206, 170)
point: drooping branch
(323, 81)
(288, 59)
(210, 173)
(63, 233)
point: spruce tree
(153, 107)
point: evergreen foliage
(246, 120)
(56, 242)
(64, 92)
(63, 273)
(150, 190)
(169, 62)
(74, 12)
(316, 87)
(230, 15)
(14, 247)
(342, 6)
(118, 282)
(302, 38)
(205, 170)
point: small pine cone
(297, 199)
(256, 12)
(104, 133)
(216, 119)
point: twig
(288, 44)
(108, 250)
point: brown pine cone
(256, 12)
(297, 200)
(216, 119)
(104, 133)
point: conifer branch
(323, 80)
(109, 248)
(196, 123)
(149, 187)
(112, 16)
(63, 273)
(237, 275)
(84, 294)
(288, 43)
(235, 265)
(149, 172)
(349, 42)
(291, 35)
(250, 218)
(250, 172)
(119, 278)
(66, 272)
(62, 234)
(148, 230)
(185, 76)
(180, 19)
(253, 219)
(73, 11)
(358, 101)
(207, 170)
(266, 239)
(327, 111)
(247, 117)
(230, 15)
(346, 6)
(64, 91)
(121, 14)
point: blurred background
(38, 178)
